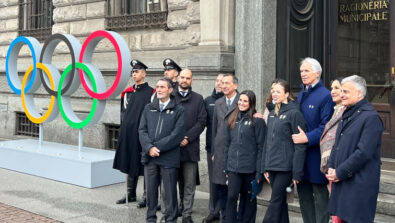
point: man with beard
(195, 121)
(214, 205)
(128, 153)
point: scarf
(329, 136)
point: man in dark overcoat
(316, 106)
(223, 107)
(195, 121)
(214, 206)
(354, 164)
(128, 153)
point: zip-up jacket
(279, 152)
(164, 130)
(243, 144)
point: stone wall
(199, 35)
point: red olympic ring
(91, 40)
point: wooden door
(302, 31)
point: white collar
(181, 90)
(164, 103)
(231, 99)
(311, 85)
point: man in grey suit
(223, 107)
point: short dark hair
(235, 80)
(168, 81)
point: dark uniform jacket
(356, 159)
(280, 153)
(164, 130)
(209, 103)
(220, 127)
(316, 106)
(195, 121)
(243, 144)
(128, 153)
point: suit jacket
(220, 127)
(316, 106)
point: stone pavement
(9, 214)
(48, 200)
(71, 204)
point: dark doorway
(303, 30)
(363, 47)
(347, 37)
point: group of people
(319, 138)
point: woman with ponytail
(281, 160)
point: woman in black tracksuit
(281, 160)
(244, 141)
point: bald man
(195, 114)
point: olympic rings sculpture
(62, 86)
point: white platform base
(60, 162)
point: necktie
(183, 93)
(161, 107)
(228, 103)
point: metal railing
(24, 126)
(112, 131)
(129, 14)
(35, 18)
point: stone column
(217, 23)
(255, 46)
(215, 50)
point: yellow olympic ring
(44, 117)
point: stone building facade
(200, 35)
(207, 36)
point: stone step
(385, 201)
(380, 217)
(388, 164)
(387, 182)
(386, 204)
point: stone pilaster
(217, 23)
(255, 47)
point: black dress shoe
(142, 204)
(158, 207)
(210, 218)
(123, 200)
(187, 220)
